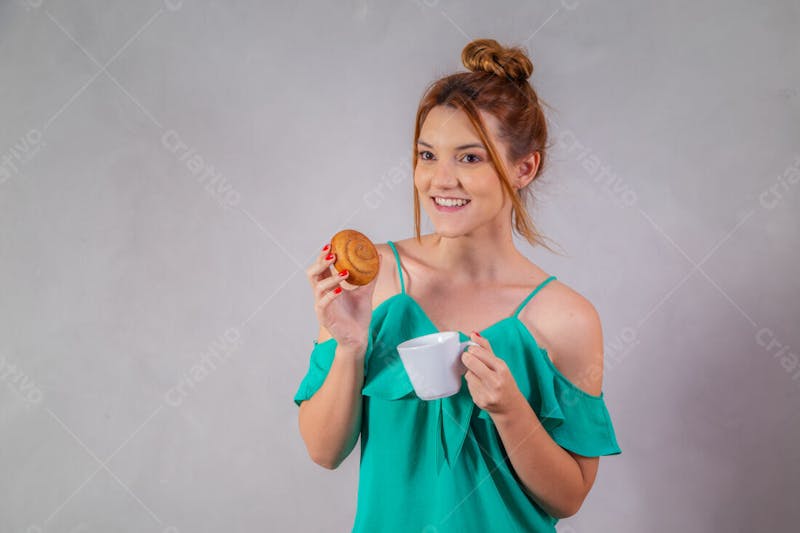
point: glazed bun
(356, 253)
(487, 55)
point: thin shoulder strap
(399, 270)
(532, 294)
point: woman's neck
(473, 260)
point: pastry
(356, 253)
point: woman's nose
(443, 176)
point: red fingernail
(326, 248)
(328, 257)
(337, 290)
(344, 273)
(476, 333)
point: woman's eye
(422, 154)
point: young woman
(517, 448)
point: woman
(518, 447)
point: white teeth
(449, 202)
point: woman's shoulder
(388, 282)
(567, 325)
(410, 248)
(557, 307)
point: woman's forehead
(446, 127)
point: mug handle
(461, 347)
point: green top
(439, 466)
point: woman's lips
(449, 209)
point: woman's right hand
(346, 315)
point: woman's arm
(548, 472)
(556, 478)
(330, 421)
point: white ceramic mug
(433, 363)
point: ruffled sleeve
(586, 427)
(576, 420)
(318, 367)
(384, 374)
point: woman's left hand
(490, 382)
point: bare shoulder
(567, 326)
(387, 284)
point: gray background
(170, 169)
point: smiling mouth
(462, 202)
(450, 208)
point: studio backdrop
(169, 169)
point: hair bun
(487, 55)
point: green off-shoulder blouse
(439, 466)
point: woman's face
(453, 163)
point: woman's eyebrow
(462, 147)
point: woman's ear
(526, 170)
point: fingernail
(476, 333)
(326, 248)
(337, 290)
(328, 257)
(344, 273)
